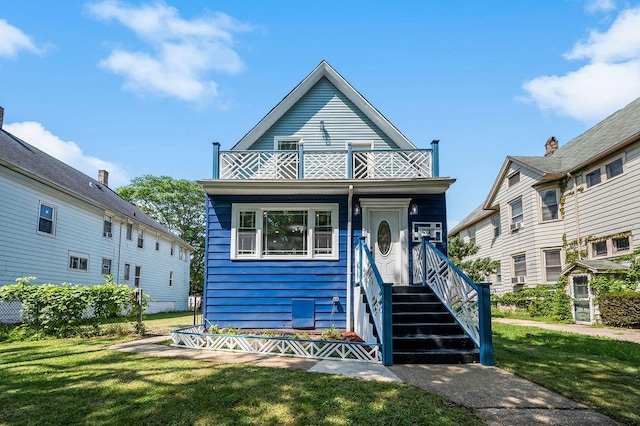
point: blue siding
(342, 121)
(259, 293)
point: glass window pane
(599, 248)
(323, 238)
(593, 178)
(549, 200)
(553, 265)
(520, 266)
(46, 212)
(516, 212)
(621, 244)
(285, 232)
(614, 168)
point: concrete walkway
(494, 395)
(626, 334)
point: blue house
(289, 203)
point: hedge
(620, 309)
(541, 301)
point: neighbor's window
(127, 271)
(78, 261)
(549, 204)
(141, 238)
(599, 248)
(46, 220)
(471, 233)
(170, 278)
(499, 273)
(106, 266)
(614, 168)
(284, 231)
(520, 265)
(158, 243)
(173, 248)
(106, 227)
(552, 265)
(517, 216)
(620, 244)
(514, 178)
(136, 278)
(593, 178)
(495, 221)
(129, 231)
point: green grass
(77, 381)
(163, 323)
(601, 373)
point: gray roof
(597, 266)
(475, 216)
(28, 160)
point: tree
(477, 269)
(178, 205)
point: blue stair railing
(467, 301)
(378, 297)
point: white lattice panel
(325, 165)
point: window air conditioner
(107, 234)
(516, 226)
(518, 280)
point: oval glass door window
(384, 238)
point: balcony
(325, 164)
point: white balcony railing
(326, 164)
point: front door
(581, 299)
(385, 245)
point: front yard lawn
(601, 373)
(77, 381)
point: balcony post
(216, 160)
(349, 161)
(484, 324)
(435, 158)
(300, 160)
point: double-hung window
(495, 221)
(517, 215)
(141, 238)
(549, 204)
(129, 231)
(46, 219)
(552, 265)
(107, 226)
(519, 269)
(106, 266)
(471, 233)
(283, 231)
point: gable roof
(17, 155)
(327, 71)
(596, 266)
(476, 216)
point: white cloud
(597, 6)
(608, 82)
(182, 53)
(68, 152)
(13, 40)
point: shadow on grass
(82, 384)
(601, 373)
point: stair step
(445, 328)
(416, 317)
(413, 342)
(418, 307)
(411, 289)
(437, 356)
(414, 297)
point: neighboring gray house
(60, 225)
(579, 201)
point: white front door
(385, 244)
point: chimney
(103, 177)
(551, 146)
(1, 116)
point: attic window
(514, 178)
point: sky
(144, 87)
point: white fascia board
(326, 187)
(322, 70)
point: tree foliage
(178, 205)
(477, 269)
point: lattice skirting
(195, 337)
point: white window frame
(471, 233)
(79, 256)
(310, 208)
(108, 219)
(497, 225)
(53, 219)
(544, 262)
(140, 240)
(137, 276)
(106, 261)
(513, 265)
(541, 204)
(173, 248)
(170, 278)
(129, 232)
(126, 275)
(513, 222)
(602, 167)
(362, 145)
(513, 175)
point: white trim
(543, 261)
(360, 144)
(540, 204)
(79, 256)
(298, 139)
(310, 208)
(54, 213)
(401, 206)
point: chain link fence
(10, 312)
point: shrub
(541, 301)
(620, 309)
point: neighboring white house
(578, 202)
(60, 225)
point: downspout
(119, 254)
(575, 205)
(349, 251)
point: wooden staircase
(424, 332)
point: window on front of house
(78, 261)
(599, 248)
(514, 178)
(106, 227)
(593, 178)
(517, 215)
(549, 204)
(287, 161)
(46, 219)
(552, 265)
(620, 244)
(614, 168)
(274, 231)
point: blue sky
(145, 87)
